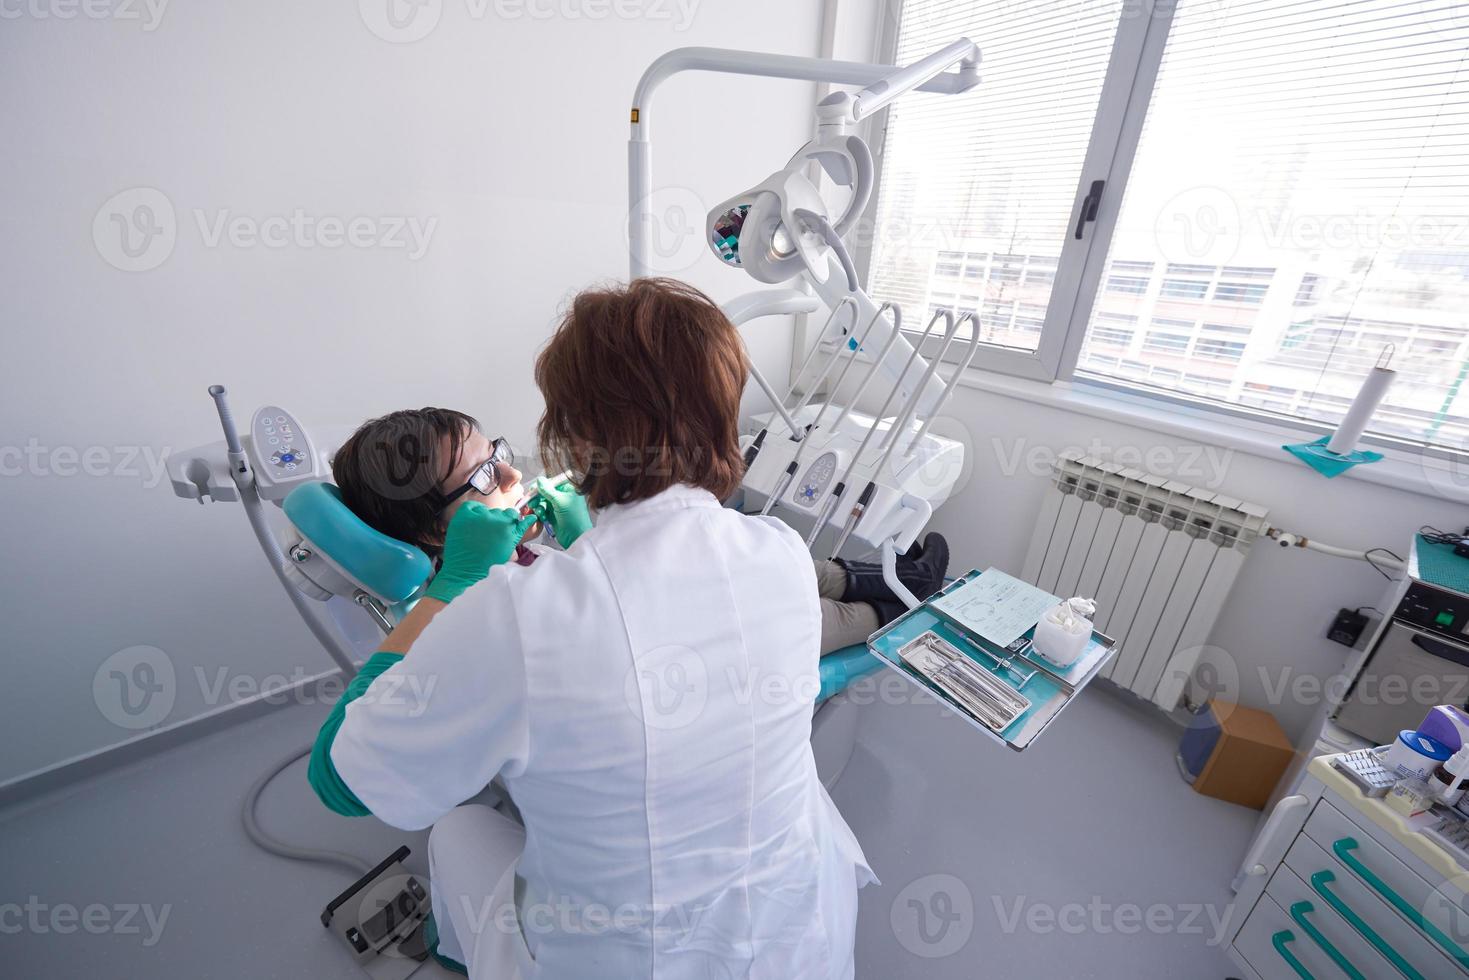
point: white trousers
(470, 848)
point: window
(1114, 330)
(1163, 342)
(1237, 292)
(1247, 272)
(1296, 195)
(1292, 146)
(993, 170)
(1184, 289)
(1226, 328)
(1219, 350)
(1127, 284)
(1040, 270)
(1111, 335)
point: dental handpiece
(835, 495)
(901, 423)
(866, 496)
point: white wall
(507, 131)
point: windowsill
(1429, 476)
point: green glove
(477, 540)
(564, 510)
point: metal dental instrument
(938, 407)
(840, 488)
(860, 507)
(988, 699)
(855, 344)
(784, 482)
(1004, 663)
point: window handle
(1089, 205)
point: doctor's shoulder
(781, 535)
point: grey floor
(1086, 856)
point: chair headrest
(384, 566)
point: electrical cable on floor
(265, 842)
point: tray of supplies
(1009, 692)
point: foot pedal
(381, 919)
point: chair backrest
(386, 568)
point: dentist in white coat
(645, 695)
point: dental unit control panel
(284, 454)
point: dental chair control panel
(278, 451)
(283, 453)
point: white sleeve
(434, 729)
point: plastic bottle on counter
(1451, 778)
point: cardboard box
(1235, 753)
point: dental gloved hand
(478, 539)
(563, 510)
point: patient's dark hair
(390, 470)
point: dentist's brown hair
(642, 385)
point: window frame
(1117, 130)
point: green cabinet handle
(1298, 913)
(1319, 881)
(1278, 941)
(1344, 848)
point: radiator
(1159, 557)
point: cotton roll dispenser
(1064, 631)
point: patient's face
(476, 449)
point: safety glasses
(486, 476)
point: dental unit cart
(1342, 885)
(853, 482)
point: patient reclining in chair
(404, 474)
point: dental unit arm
(811, 460)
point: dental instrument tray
(1010, 693)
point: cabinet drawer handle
(1343, 849)
(1298, 913)
(1278, 941)
(1319, 881)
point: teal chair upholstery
(384, 566)
(842, 667)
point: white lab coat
(646, 698)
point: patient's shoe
(887, 609)
(921, 571)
